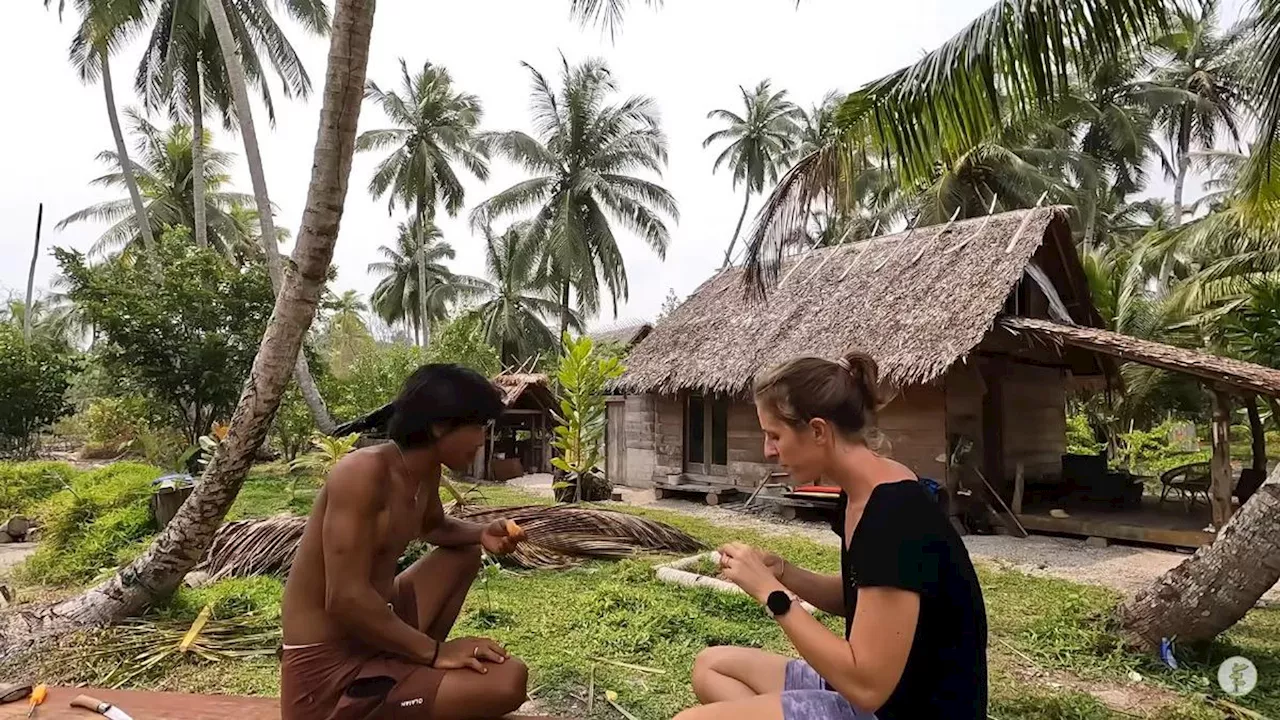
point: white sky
(691, 56)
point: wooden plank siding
(914, 424)
(964, 393)
(1035, 427)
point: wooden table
(149, 706)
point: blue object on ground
(1166, 653)
(177, 480)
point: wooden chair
(1188, 481)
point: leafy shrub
(373, 380)
(1080, 437)
(292, 428)
(24, 484)
(93, 526)
(34, 378)
(116, 420)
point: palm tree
(184, 70)
(164, 175)
(416, 286)
(515, 302)
(1202, 62)
(581, 159)
(105, 24)
(761, 141)
(345, 333)
(437, 126)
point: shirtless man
(360, 640)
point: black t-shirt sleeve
(893, 546)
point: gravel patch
(1123, 568)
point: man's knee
(512, 686)
(693, 713)
(465, 559)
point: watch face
(778, 602)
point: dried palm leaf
(556, 536)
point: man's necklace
(405, 465)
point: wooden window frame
(707, 466)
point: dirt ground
(1124, 568)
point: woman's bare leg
(760, 707)
(734, 673)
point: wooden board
(712, 494)
(149, 706)
(1116, 531)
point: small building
(979, 327)
(520, 441)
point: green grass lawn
(573, 626)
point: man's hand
(469, 652)
(749, 569)
(500, 537)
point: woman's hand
(751, 569)
(498, 537)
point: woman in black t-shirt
(915, 640)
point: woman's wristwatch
(778, 603)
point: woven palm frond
(254, 547)
(558, 536)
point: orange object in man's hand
(515, 532)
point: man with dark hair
(362, 641)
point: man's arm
(351, 512)
(452, 532)
(825, 592)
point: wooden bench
(713, 494)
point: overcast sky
(690, 56)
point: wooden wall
(669, 436)
(1035, 420)
(964, 392)
(914, 424)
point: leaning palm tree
(581, 160)
(515, 303)
(184, 69)
(761, 141)
(416, 265)
(345, 333)
(1202, 62)
(104, 25)
(164, 170)
(437, 127)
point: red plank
(149, 706)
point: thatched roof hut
(917, 301)
(627, 333)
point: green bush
(116, 420)
(34, 378)
(25, 484)
(1080, 438)
(94, 526)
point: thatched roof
(514, 385)
(917, 301)
(1226, 371)
(627, 333)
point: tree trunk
(1184, 163)
(1257, 436)
(270, 238)
(126, 166)
(728, 254)
(1220, 463)
(161, 568)
(1213, 589)
(423, 321)
(198, 209)
(1275, 411)
(564, 314)
(27, 310)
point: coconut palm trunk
(564, 313)
(159, 570)
(1257, 435)
(1214, 588)
(28, 310)
(424, 322)
(201, 229)
(728, 254)
(1184, 163)
(253, 155)
(126, 166)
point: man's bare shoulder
(359, 478)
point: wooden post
(1220, 464)
(1019, 486)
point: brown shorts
(335, 681)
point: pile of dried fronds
(254, 547)
(558, 536)
(140, 649)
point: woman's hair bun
(865, 373)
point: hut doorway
(706, 435)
